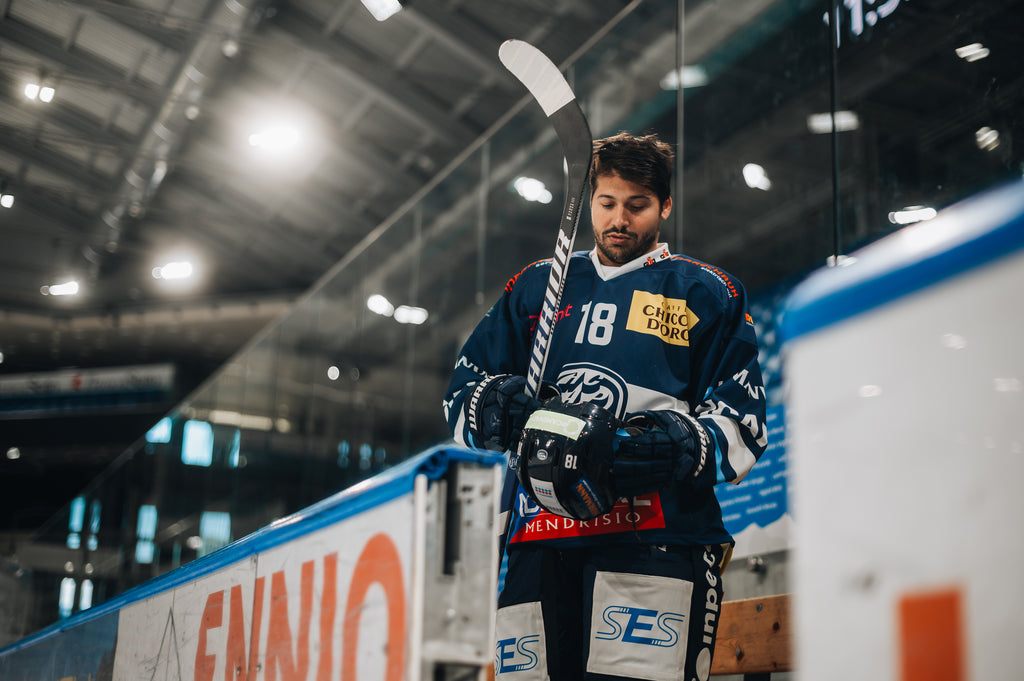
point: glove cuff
(476, 400)
(703, 440)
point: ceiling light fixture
(912, 214)
(821, 123)
(532, 189)
(381, 305)
(383, 9)
(174, 270)
(68, 288)
(689, 76)
(407, 314)
(276, 138)
(756, 177)
(972, 52)
(44, 93)
(986, 138)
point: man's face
(626, 219)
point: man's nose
(620, 218)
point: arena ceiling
(143, 157)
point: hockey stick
(547, 85)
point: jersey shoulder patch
(512, 282)
(726, 283)
(544, 264)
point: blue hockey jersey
(661, 332)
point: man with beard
(652, 395)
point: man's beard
(628, 252)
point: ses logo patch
(667, 318)
(516, 654)
(640, 625)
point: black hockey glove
(663, 447)
(497, 411)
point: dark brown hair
(646, 161)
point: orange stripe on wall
(931, 645)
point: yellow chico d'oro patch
(667, 318)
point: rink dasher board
(388, 580)
(904, 403)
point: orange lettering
(328, 606)
(257, 620)
(379, 563)
(235, 649)
(213, 614)
(279, 632)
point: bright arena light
(688, 76)
(532, 189)
(69, 288)
(276, 139)
(381, 305)
(382, 9)
(407, 314)
(756, 177)
(174, 270)
(912, 214)
(44, 93)
(821, 123)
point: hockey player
(614, 569)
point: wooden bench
(755, 638)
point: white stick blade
(541, 77)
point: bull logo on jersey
(584, 382)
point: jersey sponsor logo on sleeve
(667, 318)
(581, 382)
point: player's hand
(497, 411)
(662, 447)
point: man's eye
(638, 208)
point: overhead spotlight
(756, 177)
(986, 138)
(174, 270)
(407, 314)
(381, 305)
(821, 123)
(972, 52)
(36, 91)
(383, 9)
(276, 138)
(688, 76)
(912, 214)
(68, 288)
(532, 189)
(6, 200)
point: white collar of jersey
(607, 272)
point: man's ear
(666, 208)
